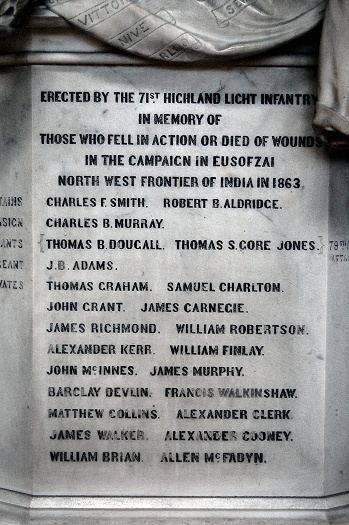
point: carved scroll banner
(168, 31)
(186, 278)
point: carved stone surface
(163, 30)
(11, 12)
(120, 185)
(332, 115)
(196, 208)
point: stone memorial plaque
(179, 258)
(181, 235)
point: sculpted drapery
(175, 31)
(332, 114)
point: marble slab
(185, 255)
(176, 229)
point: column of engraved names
(103, 386)
(177, 197)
